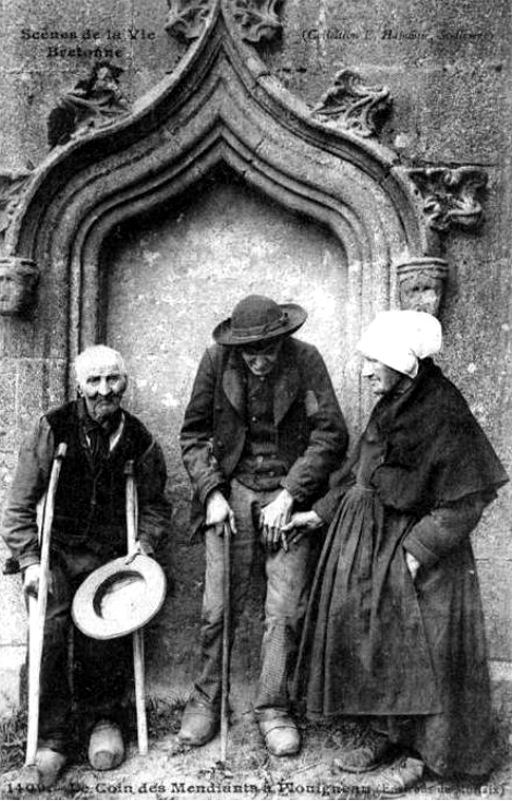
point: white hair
(95, 356)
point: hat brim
(295, 317)
(118, 598)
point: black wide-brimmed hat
(119, 597)
(256, 318)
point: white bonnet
(399, 338)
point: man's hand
(31, 578)
(301, 523)
(273, 518)
(218, 512)
(412, 564)
(141, 549)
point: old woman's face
(381, 377)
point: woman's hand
(301, 523)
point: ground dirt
(171, 771)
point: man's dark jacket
(90, 501)
(311, 433)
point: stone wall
(446, 67)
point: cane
(138, 636)
(37, 612)
(225, 642)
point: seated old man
(261, 434)
(89, 529)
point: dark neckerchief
(97, 437)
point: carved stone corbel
(18, 281)
(352, 105)
(421, 283)
(258, 20)
(450, 195)
(187, 18)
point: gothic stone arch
(219, 107)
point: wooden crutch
(138, 636)
(37, 612)
(224, 708)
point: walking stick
(225, 642)
(137, 636)
(37, 612)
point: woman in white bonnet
(394, 635)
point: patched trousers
(287, 576)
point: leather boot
(199, 724)
(280, 733)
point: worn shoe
(49, 765)
(280, 733)
(199, 724)
(106, 747)
(395, 779)
(400, 776)
(365, 755)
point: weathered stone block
(13, 608)
(12, 659)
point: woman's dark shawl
(436, 453)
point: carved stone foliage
(258, 20)
(18, 281)
(353, 105)
(11, 187)
(451, 195)
(421, 283)
(94, 102)
(186, 18)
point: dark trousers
(100, 668)
(287, 581)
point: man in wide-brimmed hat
(261, 434)
(89, 530)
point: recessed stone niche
(168, 280)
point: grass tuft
(13, 738)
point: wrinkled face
(261, 358)
(421, 292)
(102, 383)
(381, 377)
